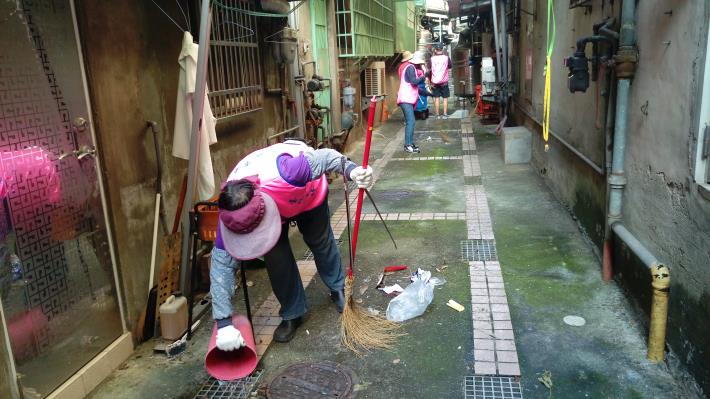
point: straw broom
(359, 330)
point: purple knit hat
(252, 230)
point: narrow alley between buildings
(373, 199)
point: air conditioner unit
(375, 79)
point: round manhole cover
(312, 380)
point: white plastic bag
(414, 300)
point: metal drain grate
(478, 250)
(308, 255)
(470, 152)
(484, 387)
(467, 135)
(237, 389)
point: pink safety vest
(439, 69)
(291, 200)
(408, 93)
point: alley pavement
(510, 254)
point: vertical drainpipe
(504, 45)
(295, 71)
(198, 104)
(335, 111)
(626, 64)
(626, 59)
(495, 50)
(495, 38)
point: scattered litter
(358, 300)
(459, 348)
(395, 361)
(574, 321)
(421, 274)
(428, 138)
(546, 380)
(363, 288)
(414, 300)
(380, 281)
(391, 269)
(392, 288)
(250, 283)
(308, 332)
(374, 312)
(455, 305)
(437, 281)
(441, 269)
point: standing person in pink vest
(267, 190)
(440, 65)
(408, 95)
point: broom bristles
(361, 331)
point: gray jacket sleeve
(326, 160)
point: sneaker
(416, 147)
(444, 116)
(410, 149)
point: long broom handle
(361, 192)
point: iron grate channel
(308, 255)
(467, 135)
(478, 250)
(492, 387)
(237, 389)
(470, 152)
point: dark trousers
(282, 268)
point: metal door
(57, 275)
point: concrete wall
(662, 206)
(131, 52)
(573, 118)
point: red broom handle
(361, 192)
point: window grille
(234, 71)
(365, 28)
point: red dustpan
(232, 365)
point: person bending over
(266, 191)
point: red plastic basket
(207, 221)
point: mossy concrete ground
(430, 361)
(549, 272)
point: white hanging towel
(183, 121)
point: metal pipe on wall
(295, 71)
(504, 39)
(562, 141)
(626, 59)
(660, 282)
(198, 104)
(335, 116)
(495, 39)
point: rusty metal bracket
(626, 59)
